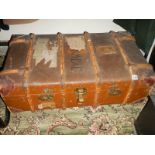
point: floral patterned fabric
(107, 119)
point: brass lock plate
(47, 99)
(80, 93)
(47, 95)
(114, 91)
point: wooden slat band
(11, 71)
(90, 47)
(126, 60)
(62, 65)
(27, 70)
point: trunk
(60, 71)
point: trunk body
(71, 70)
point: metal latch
(80, 93)
(47, 99)
(114, 90)
(47, 95)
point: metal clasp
(47, 95)
(114, 91)
(80, 93)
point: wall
(52, 26)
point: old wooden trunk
(71, 70)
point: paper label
(134, 77)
